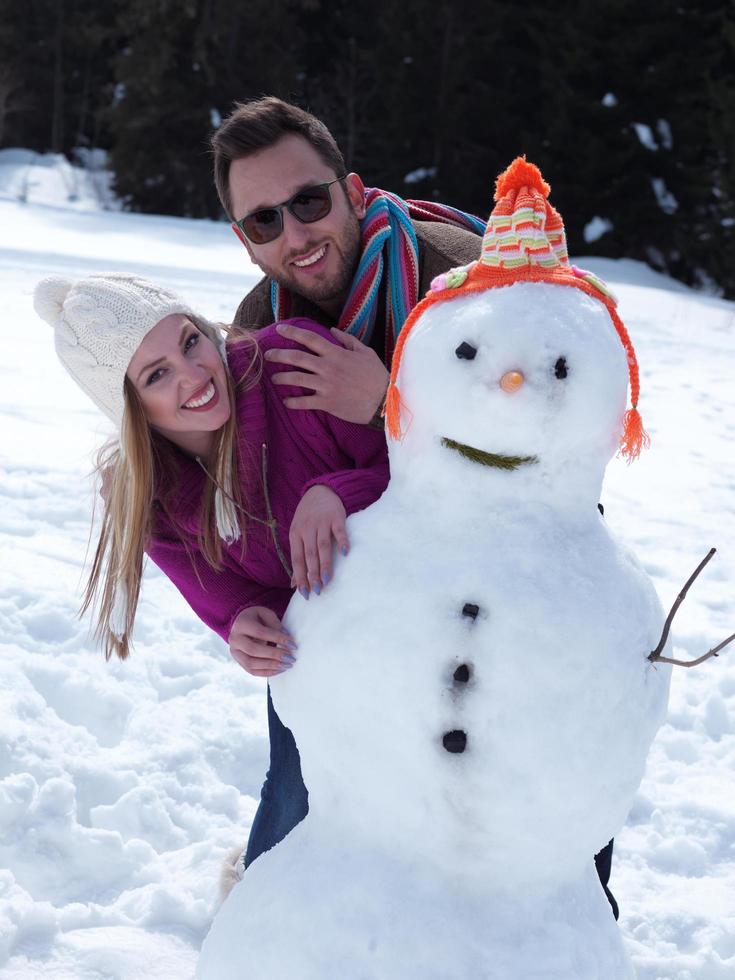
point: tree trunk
(6, 91)
(57, 119)
(442, 95)
(350, 102)
(84, 103)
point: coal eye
(560, 368)
(465, 351)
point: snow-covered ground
(49, 178)
(122, 785)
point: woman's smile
(205, 398)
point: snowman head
(506, 365)
(526, 377)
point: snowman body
(472, 702)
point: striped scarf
(388, 240)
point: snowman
(472, 702)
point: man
(329, 251)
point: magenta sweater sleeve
(361, 485)
(217, 597)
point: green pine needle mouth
(488, 459)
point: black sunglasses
(307, 205)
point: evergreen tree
(55, 72)
(184, 65)
(627, 108)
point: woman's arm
(319, 518)
(362, 473)
(325, 503)
(355, 460)
(328, 499)
(244, 613)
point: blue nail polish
(304, 592)
(325, 579)
(292, 645)
(317, 588)
(343, 550)
(286, 658)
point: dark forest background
(627, 107)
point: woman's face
(181, 381)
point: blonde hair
(134, 472)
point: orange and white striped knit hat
(524, 242)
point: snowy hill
(122, 785)
(49, 178)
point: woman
(221, 485)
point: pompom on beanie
(100, 321)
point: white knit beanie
(99, 323)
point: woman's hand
(319, 517)
(260, 644)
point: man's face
(315, 260)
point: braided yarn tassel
(634, 438)
(392, 411)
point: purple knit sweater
(304, 448)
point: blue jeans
(284, 800)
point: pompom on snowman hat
(100, 321)
(524, 242)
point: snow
(666, 200)
(122, 786)
(609, 100)
(49, 178)
(645, 136)
(596, 228)
(663, 128)
(419, 174)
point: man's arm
(347, 378)
(254, 311)
(443, 247)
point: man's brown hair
(258, 124)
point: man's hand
(348, 381)
(319, 517)
(260, 644)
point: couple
(238, 463)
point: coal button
(455, 741)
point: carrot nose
(511, 381)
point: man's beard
(337, 288)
